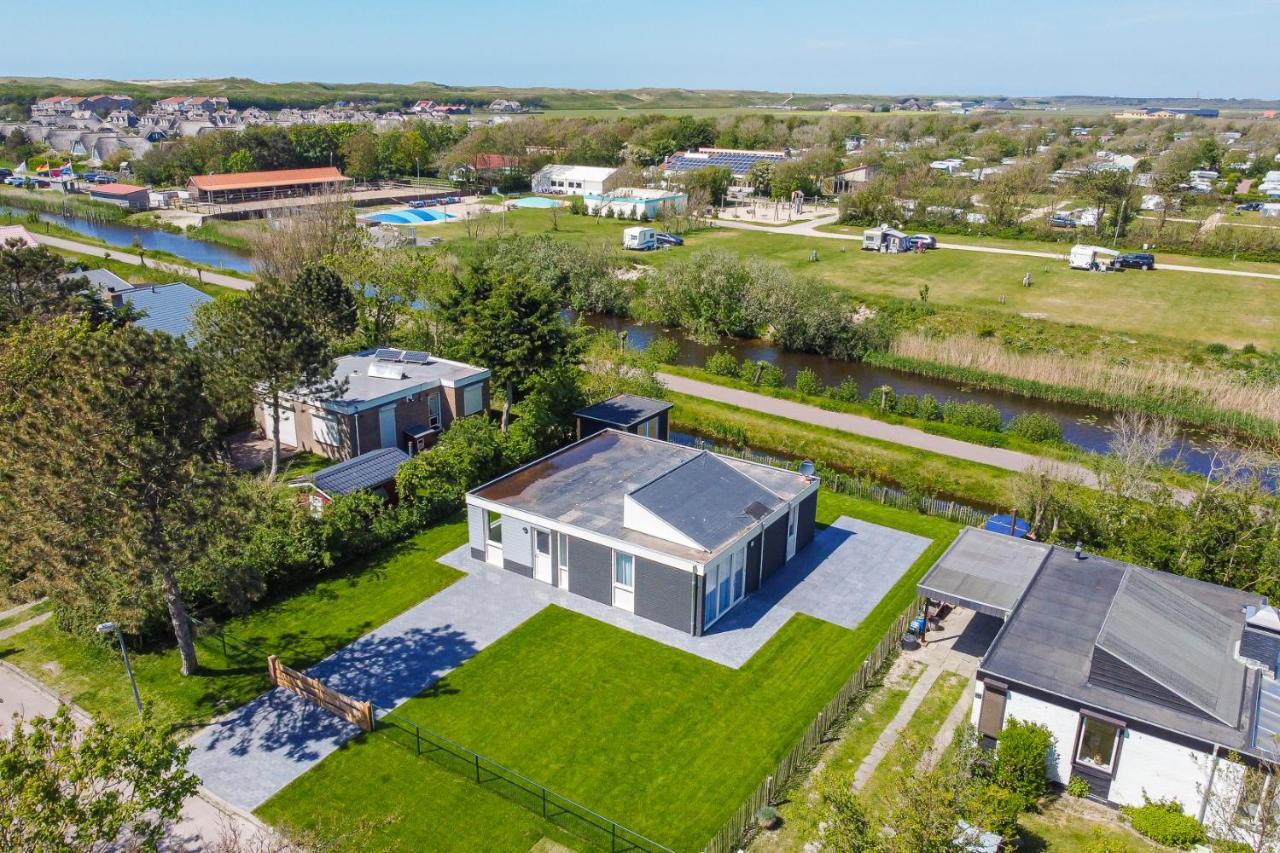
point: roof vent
(386, 370)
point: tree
(507, 322)
(360, 153)
(390, 285)
(112, 489)
(760, 176)
(68, 790)
(320, 233)
(34, 284)
(326, 300)
(713, 181)
(925, 804)
(240, 160)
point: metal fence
(560, 810)
(770, 790)
(863, 487)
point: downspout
(356, 417)
(1208, 787)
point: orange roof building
(253, 186)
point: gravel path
(128, 258)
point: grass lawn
(1067, 824)
(30, 613)
(1165, 303)
(664, 742)
(302, 628)
(302, 464)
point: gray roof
(166, 308)
(707, 500)
(361, 472)
(624, 410)
(984, 571)
(1049, 641)
(1266, 733)
(407, 372)
(1167, 635)
(102, 282)
(585, 485)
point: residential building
(575, 180)
(373, 472)
(16, 234)
(279, 183)
(636, 202)
(168, 308)
(1147, 680)
(376, 399)
(103, 283)
(128, 196)
(190, 104)
(849, 179)
(626, 413)
(670, 533)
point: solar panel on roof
(387, 354)
(416, 357)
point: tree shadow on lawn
(384, 670)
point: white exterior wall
(1162, 769)
(1061, 722)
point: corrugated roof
(1170, 637)
(276, 178)
(624, 410)
(984, 571)
(167, 308)
(707, 500)
(361, 472)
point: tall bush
(807, 381)
(976, 415)
(1022, 754)
(722, 363)
(1036, 426)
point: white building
(1147, 680)
(574, 180)
(636, 202)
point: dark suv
(1136, 261)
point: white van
(640, 239)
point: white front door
(387, 427)
(793, 524)
(542, 555)
(288, 426)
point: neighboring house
(574, 180)
(378, 399)
(16, 233)
(127, 196)
(627, 413)
(673, 534)
(636, 202)
(1147, 680)
(167, 308)
(848, 180)
(372, 472)
(103, 283)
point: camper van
(885, 239)
(1087, 258)
(640, 239)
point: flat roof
(402, 372)
(984, 571)
(585, 485)
(115, 189)
(624, 410)
(275, 178)
(576, 173)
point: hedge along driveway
(666, 743)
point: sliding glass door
(726, 581)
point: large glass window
(494, 527)
(710, 609)
(624, 566)
(472, 398)
(433, 411)
(1098, 744)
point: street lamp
(107, 628)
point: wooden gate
(315, 690)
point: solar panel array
(387, 355)
(739, 162)
(403, 356)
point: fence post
(477, 755)
(223, 635)
(544, 803)
(613, 837)
(417, 739)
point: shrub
(976, 415)
(1078, 787)
(1217, 349)
(722, 364)
(747, 370)
(929, 409)
(996, 809)
(577, 206)
(1022, 751)
(1249, 349)
(847, 391)
(807, 382)
(1036, 426)
(883, 398)
(1164, 823)
(906, 405)
(1100, 842)
(663, 350)
(771, 376)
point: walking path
(206, 276)
(1010, 460)
(22, 626)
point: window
(1098, 740)
(494, 527)
(624, 566)
(710, 609)
(649, 428)
(991, 714)
(433, 411)
(562, 550)
(324, 428)
(472, 398)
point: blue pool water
(537, 201)
(408, 216)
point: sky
(1155, 48)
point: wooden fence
(315, 690)
(744, 819)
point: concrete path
(1010, 460)
(204, 825)
(22, 626)
(206, 276)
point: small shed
(124, 195)
(374, 471)
(628, 413)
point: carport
(985, 572)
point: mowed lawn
(1183, 305)
(664, 742)
(302, 628)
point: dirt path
(127, 258)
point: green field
(301, 628)
(664, 742)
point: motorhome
(885, 239)
(1086, 257)
(640, 239)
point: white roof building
(574, 180)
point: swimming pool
(537, 201)
(408, 216)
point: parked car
(90, 176)
(1059, 220)
(417, 202)
(928, 241)
(16, 180)
(1249, 206)
(1136, 261)
(666, 239)
(6, 173)
(103, 179)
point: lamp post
(110, 627)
